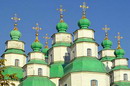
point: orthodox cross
(46, 39)
(16, 19)
(61, 10)
(84, 7)
(119, 38)
(106, 31)
(37, 28)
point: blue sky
(114, 13)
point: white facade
(59, 53)
(84, 79)
(32, 69)
(84, 33)
(80, 49)
(62, 37)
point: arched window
(125, 77)
(39, 71)
(16, 62)
(89, 52)
(94, 83)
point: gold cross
(61, 13)
(106, 31)
(119, 38)
(16, 19)
(37, 28)
(84, 7)
(46, 39)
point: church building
(72, 60)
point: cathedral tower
(14, 54)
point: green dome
(90, 64)
(106, 44)
(37, 81)
(45, 50)
(61, 27)
(119, 53)
(84, 23)
(56, 70)
(15, 34)
(14, 70)
(36, 46)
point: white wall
(58, 53)
(84, 79)
(121, 62)
(108, 64)
(107, 53)
(84, 33)
(62, 37)
(32, 69)
(11, 59)
(36, 55)
(15, 44)
(118, 75)
(81, 49)
(55, 80)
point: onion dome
(106, 44)
(119, 53)
(61, 27)
(15, 34)
(84, 23)
(36, 46)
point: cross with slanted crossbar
(46, 39)
(84, 7)
(119, 38)
(106, 31)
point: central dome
(90, 64)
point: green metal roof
(37, 81)
(107, 58)
(35, 61)
(61, 44)
(13, 70)
(91, 64)
(56, 70)
(84, 40)
(15, 51)
(121, 84)
(121, 67)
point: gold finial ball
(36, 34)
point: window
(65, 85)
(94, 83)
(89, 52)
(125, 77)
(67, 57)
(39, 71)
(16, 62)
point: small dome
(15, 34)
(84, 23)
(61, 27)
(45, 50)
(119, 53)
(36, 46)
(106, 44)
